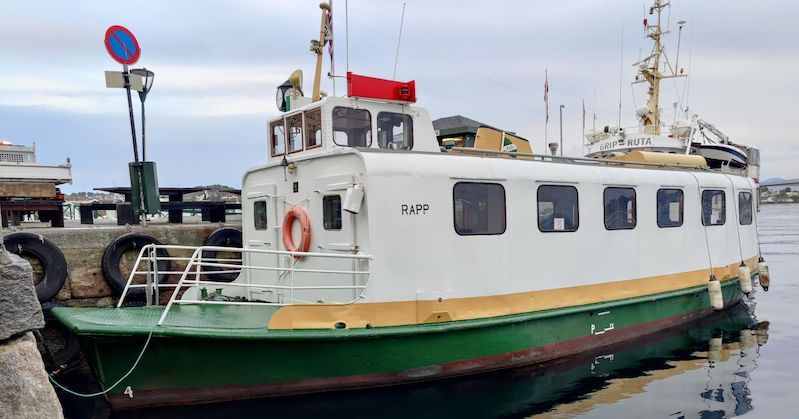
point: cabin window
(557, 208)
(714, 211)
(479, 208)
(313, 128)
(394, 131)
(278, 136)
(620, 209)
(670, 207)
(294, 127)
(745, 208)
(259, 215)
(352, 127)
(331, 210)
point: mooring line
(130, 371)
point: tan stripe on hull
(358, 315)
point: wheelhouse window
(313, 128)
(670, 207)
(394, 131)
(620, 209)
(557, 208)
(278, 137)
(294, 127)
(352, 127)
(714, 211)
(479, 208)
(745, 208)
(331, 212)
(259, 215)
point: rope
(704, 227)
(130, 371)
(736, 204)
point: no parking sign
(122, 45)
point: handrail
(580, 160)
(195, 264)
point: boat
(693, 136)
(374, 255)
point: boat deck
(213, 321)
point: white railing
(149, 255)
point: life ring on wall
(54, 265)
(222, 237)
(112, 259)
(299, 214)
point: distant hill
(779, 180)
(212, 193)
(209, 193)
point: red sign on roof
(374, 88)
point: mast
(316, 48)
(649, 69)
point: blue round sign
(122, 45)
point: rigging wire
(463, 68)
(704, 227)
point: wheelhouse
(335, 123)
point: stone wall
(25, 391)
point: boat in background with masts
(694, 137)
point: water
(739, 362)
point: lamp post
(147, 83)
(561, 130)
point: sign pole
(142, 212)
(123, 47)
(126, 76)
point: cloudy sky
(217, 65)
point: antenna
(679, 39)
(332, 72)
(396, 58)
(621, 67)
(347, 32)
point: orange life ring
(297, 213)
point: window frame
(307, 133)
(682, 207)
(272, 126)
(751, 208)
(504, 208)
(537, 207)
(333, 126)
(255, 215)
(605, 208)
(723, 206)
(410, 130)
(287, 133)
(325, 212)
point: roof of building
(459, 124)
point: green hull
(202, 358)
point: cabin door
(335, 228)
(261, 226)
(335, 232)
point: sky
(217, 65)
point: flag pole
(546, 105)
(583, 139)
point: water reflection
(701, 369)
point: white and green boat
(371, 256)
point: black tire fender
(112, 257)
(225, 237)
(47, 253)
(67, 347)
